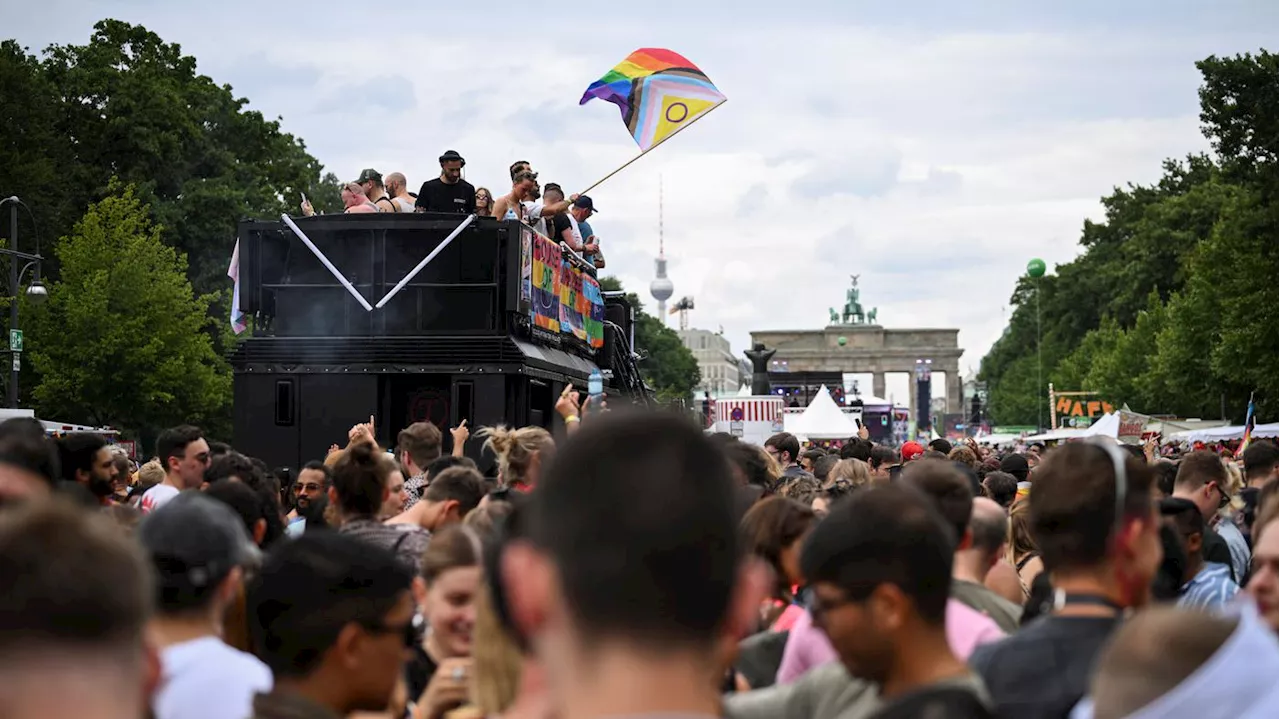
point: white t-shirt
(206, 679)
(157, 497)
(533, 213)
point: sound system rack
(339, 335)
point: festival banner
(593, 320)
(571, 304)
(526, 269)
(546, 283)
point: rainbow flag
(658, 91)
(1249, 423)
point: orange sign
(1069, 409)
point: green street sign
(15, 340)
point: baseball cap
(194, 541)
(585, 203)
(911, 450)
(368, 174)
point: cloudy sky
(933, 147)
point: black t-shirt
(559, 223)
(436, 196)
(418, 672)
(1044, 669)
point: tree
(128, 105)
(123, 338)
(670, 368)
(1173, 305)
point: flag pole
(655, 145)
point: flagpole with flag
(238, 323)
(660, 93)
(1249, 422)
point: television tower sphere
(661, 288)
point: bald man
(1174, 662)
(988, 532)
(398, 190)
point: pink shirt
(808, 646)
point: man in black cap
(448, 192)
(370, 180)
(199, 548)
(1016, 465)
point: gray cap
(196, 540)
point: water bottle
(595, 391)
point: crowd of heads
(676, 571)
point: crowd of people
(638, 567)
(546, 209)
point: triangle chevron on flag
(666, 102)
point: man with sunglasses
(1203, 480)
(333, 618)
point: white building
(721, 372)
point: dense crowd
(546, 209)
(636, 567)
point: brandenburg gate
(853, 342)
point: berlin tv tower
(661, 288)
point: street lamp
(1035, 270)
(36, 292)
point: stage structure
(414, 317)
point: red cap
(911, 450)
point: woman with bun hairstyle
(520, 452)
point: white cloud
(932, 158)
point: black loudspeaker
(924, 398)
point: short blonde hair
(854, 470)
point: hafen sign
(1076, 409)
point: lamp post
(36, 292)
(1035, 270)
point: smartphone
(304, 197)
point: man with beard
(86, 461)
(448, 192)
(311, 486)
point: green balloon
(842, 341)
(1035, 268)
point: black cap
(585, 203)
(1016, 465)
(195, 540)
(368, 174)
(452, 156)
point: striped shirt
(1210, 588)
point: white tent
(822, 419)
(1108, 425)
(744, 391)
(1218, 434)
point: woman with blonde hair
(520, 452)
(1023, 553)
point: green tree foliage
(123, 338)
(129, 105)
(670, 368)
(1173, 305)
